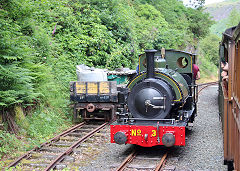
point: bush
(9, 143)
(44, 123)
(209, 56)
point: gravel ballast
(204, 143)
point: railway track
(61, 151)
(136, 160)
(205, 85)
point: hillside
(220, 13)
(222, 10)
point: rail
(159, 166)
(67, 151)
(205, 85)
(13, 164)
(75, 145)
(133, 154)
(127, 160)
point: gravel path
(203, 150)
(204, 144)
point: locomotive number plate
(154, 133)
(138, 132)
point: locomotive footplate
(148, 135)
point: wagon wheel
(75, 113)
(108, 115)
(112, 114)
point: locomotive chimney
(150, 62)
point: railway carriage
(229, 96)
(159, 102)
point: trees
(97, 33)
(209, 48)
(16, 78)
(234, 18)
(196, 3)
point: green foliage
(26, 75)
(8, 143)
(219, 27)
(207, 68)
(199, 22)
(209, 48)
(234, 18)
(44, 123)
(149, 25)
(209, 56)
(186, 20)
(16, 82)
(196, 3)
(16, 85)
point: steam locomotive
(159, 102)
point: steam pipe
(150, 62)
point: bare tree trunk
(8, 117)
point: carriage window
(182, 62)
